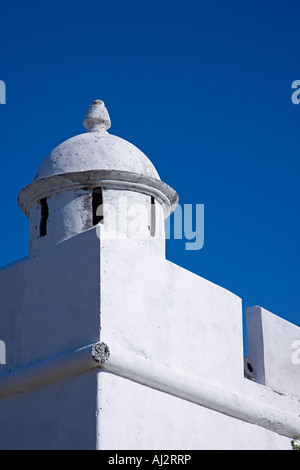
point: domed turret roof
(96, 150)
(96, 159)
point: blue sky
(203, 88)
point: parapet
(274, 351)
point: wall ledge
(252, 403)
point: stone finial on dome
(97, 118)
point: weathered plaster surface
(95, 151)
(171, 378)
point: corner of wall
(274, 351)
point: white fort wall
(175, 375)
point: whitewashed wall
(175, 375)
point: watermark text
(2, 92)
(296, 353)
(2, 352)
(142, 221)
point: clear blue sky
(203, 88)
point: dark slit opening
(97, 206)
(44, 217)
